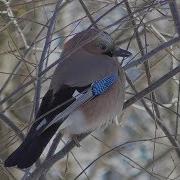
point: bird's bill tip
(121, 53)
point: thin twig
(147, 56)
(88, 13)
(10, 123)
(175, 14)
(152, 87)
(44, 52)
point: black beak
(121, 53)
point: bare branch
(147, 56)
(175, 14)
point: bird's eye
(103, 46)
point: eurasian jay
(87, 58)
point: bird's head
(97, 42)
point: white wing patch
(43, 122)
(76, 94)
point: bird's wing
(97, 88)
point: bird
(87, 57)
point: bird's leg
(75, 139)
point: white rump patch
(43, 122)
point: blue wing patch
(101, 86)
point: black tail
(30, 150)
